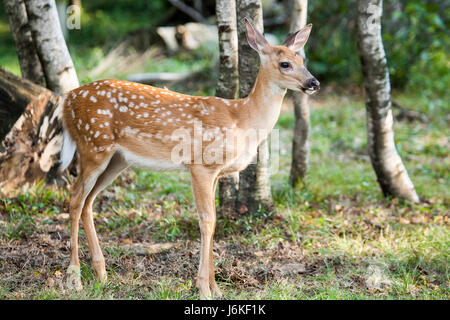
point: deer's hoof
(100, 271)
(215, 290)
(203, 287)
(73, 281)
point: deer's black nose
(313, 83)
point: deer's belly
(241, 162)
(149, 163)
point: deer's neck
(262, 109)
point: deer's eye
(285, 65)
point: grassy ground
(335, 238)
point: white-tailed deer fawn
(114, 124)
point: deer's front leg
(212, 280)
(202, 185)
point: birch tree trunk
(227, 85)
(28, 58)
(300, 143)
(254, 181)
(48, 38)
(391, 173)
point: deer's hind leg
(90, 170)
(116, 165)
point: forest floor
(335, 237)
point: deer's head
(286, 68)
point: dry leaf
(50, 282)
(127, 241)
(292, 268)
(63, 216)
(417, 220)
(243, 209)
(403, 220)
(259, 253)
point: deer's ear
(255, 39)
(296, 40)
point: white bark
(299, 15)
(391, 173)
(254, 181)
(227, 85)
(300, 144)
(28, 59)
(49, 41)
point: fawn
(114, 124)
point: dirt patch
(41, 258)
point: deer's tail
(68, 149)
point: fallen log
(189, 81)
(408, 115)
(193, 13)
(15, 94)
(31, 133)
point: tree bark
(254, 181)
(227, 85)
(28, 58)
(300, 144)
(48, 38)
(30, 149)
(15, 95)
(391, 173)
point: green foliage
(104, 22)
(8, 53)
(415, 39)
(332, 48)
